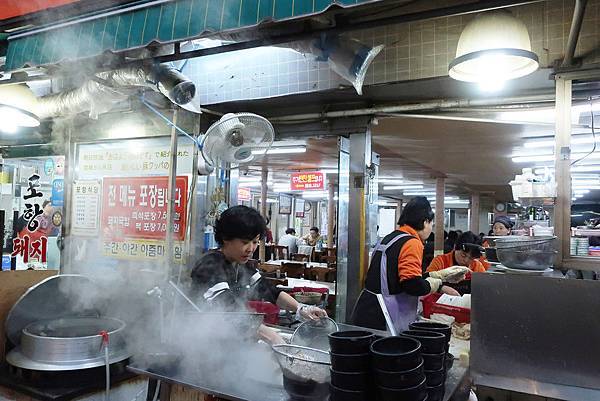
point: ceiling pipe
(576, 23)
(422, 106)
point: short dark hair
(240, 222)
(46, 202)
(469, 242)
(416, 212)
(290, 231)
(314, 229)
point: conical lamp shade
(494, 46)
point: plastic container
(396, 354)
(462, 315)
(351, 342)
(399, 380)
(350, 363)
(270, 311)
(431, 342)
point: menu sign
(136, 207)
(86, 207)
(307, 181)
(244, 195)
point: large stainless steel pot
(69, 344)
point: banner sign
(310, 181)
(136, 207)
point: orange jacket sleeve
(437, 264)
(477, 267)
(410, 260)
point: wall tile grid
(412, 51)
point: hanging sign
(86, 207)
(32, 241)
(285, 204)
(244, 194)
(310, 181)
(299, 210)
(136, 207)
(58, 192)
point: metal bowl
(303, 363)
(69, 344)
(526, 243)
(515, 258)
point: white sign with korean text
(86, 207)
(132, 158)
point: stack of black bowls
(398, 369)
(435, 340)
(350, 365)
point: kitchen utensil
(351, 341)
(308, 298)
(433, 326)
(405, 379)
(532, 259)
(339, 394)
(69, 344)
(416, 393)
(315, 333)
(395, 354)
(351, 363)
(434, 361)
(431, 342)
(306, 371)
(355, 381)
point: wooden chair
(331, 276)
(318, 273)
(280, 252)
(330, 260)
(253, 263)
(268, 268)
(299, 257)
(329, 251)
(277, 281)
(294, 270)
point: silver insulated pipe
(98, 94)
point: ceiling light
(280, 150)
(18, 108)
(580, 183)
(493, 48)
(315, 195)
(255, 183)
(419, 193)
(395, 187)
(581, 191)
(329, 171)
(537, 158)
(579, 186)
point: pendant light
(493, 48)
(18, 107)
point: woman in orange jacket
(466, 252)
(395, 280)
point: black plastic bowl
(351, 342)
(400, 380)
(396, 354)
(431, 342)
(435, 377)
(338, 394)
(416, 393)
(350, 363)
(354, 381)
(434, 361)
(434, 326)
(436, 393)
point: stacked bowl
(350, 365)
(398, 369)
(435, 343)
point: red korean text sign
(307, 181)
(136, 207)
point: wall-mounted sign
(299, 209)
(244, 195)
(310, 181)
(58, 192)
(136, 207)
(285, 204)
(86, 207)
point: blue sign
(49, 166)
(58, 192)
(5, 262)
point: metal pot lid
(49, 299)
(16, 358)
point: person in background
(395, 275)
(312, 237)
(223, 281)
(450, 241)
(290, 240)
(269, 233)
(466, 252)
(502, 226)
(428, 251)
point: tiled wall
(413, 51)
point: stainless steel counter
(251, 390)
(536, 335)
